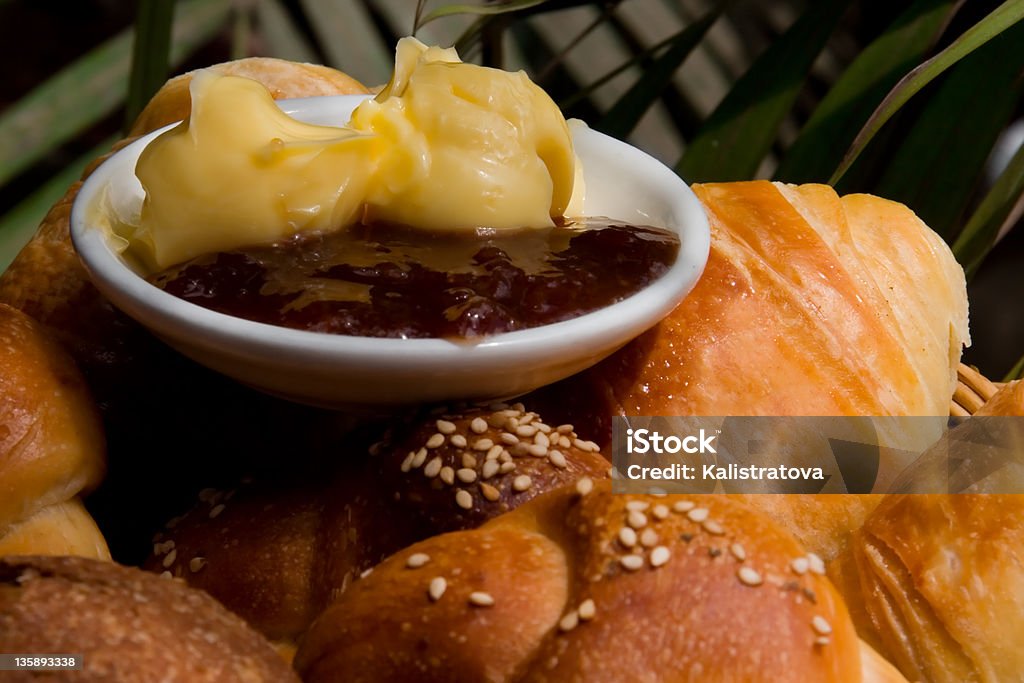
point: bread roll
(282, 78)
(278, 552)
(942, 581)
(810, 304)
(128, 625)
(546, 593)
(51, 446)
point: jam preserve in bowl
(383, 315)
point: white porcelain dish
(341, 371)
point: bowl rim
(167, 315)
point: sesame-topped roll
(278, 552)
(584, 585)
(460, 468)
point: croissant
(941, 578)
(51, 446)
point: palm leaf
(935, 168)
(1002, 206)
(1002, 18)
(830, 130)
(739, 133)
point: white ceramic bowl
(341, 371)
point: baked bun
(545, 593)
(127, 624)
(278, 551)
(51, 446)
(942, 581)
(810, 304)
(282, 78)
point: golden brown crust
(129, 625)
(1009, 400)
(701, 614)
(282, 78)
(941, 579)
(810, 304)
(51, 440)
(278, 552)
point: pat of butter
(445, 146)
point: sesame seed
(713, 527)
(458, 440)
(448, 475)
(216, 511)
(541, 439)
(366, 573)
(749, 576)
(512, 424)
(496, 421)
(480, 599)
(684, 506)
(169, 558)
(468, 460)
(505, 457)
(631, 562)
(166, 575)
(510, 439)
(738, 551)
(525, 431)
(420, 458)
(464, 499)
(518, 407)
(816, 563)
(490, 468)
(557, 459)
(495, 452)
(584, 486)
(528, 418)
(483, 445)
(564, 442)
(542, 427)
(507, 467)
(636, 519)
(627, 537)
(478, 425)
(821, 625)
(822, 641)
(490, 493)
(800, 565)
(196, 563)
(569, 621)
(522, 483)
(466, 475)
(432, 468)
(537, 450)
(660, 511)
(697, 514)
(637, 505)
(587, 610)
(407, 463)
(435, 440)
(564, 429)
(660, 556)
(445, 427)
(437, 588)
(417, 560)
(649, 538)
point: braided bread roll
(278, 552)
(583, 585)
(51, 446)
